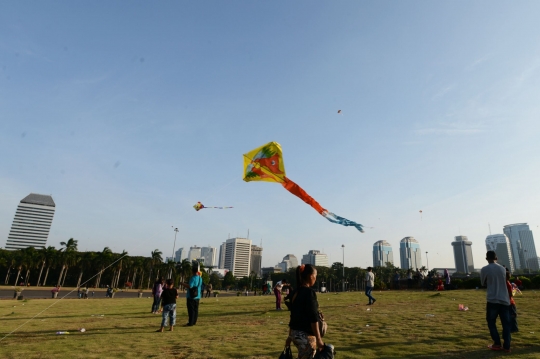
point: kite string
(101, 271)
(35, 316)
(221, 189)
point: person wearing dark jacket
(304, 322)
(168, 301)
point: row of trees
(67, 266)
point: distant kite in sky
(200, 206)
(265, 163)
(338, 111)
(420, 214)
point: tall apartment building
(209, 256)
(500, 244)
(238, 256)
(221, 261)
(409, 253)
(32, 222)
(315, 258)
(522, 244)
(382, 254)
(463, 254)
(256, 259)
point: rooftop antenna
(489, 226)
(248, 234)
(261, 242)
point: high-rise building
(288, 262)
(179, 255)
(222, 249)
(382, 254)
(32, 222)
(315, 258)
(500, 244)
(409, 253)
(194, 253)
(256, 259)
(238, 256)
(463, 255)
(209, 255)
(522, 244)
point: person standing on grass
(208, 290)
(192, 300)
(498, 302)
(157, 289)
(168, 301)
(396, 280)
(304, 323)
(370, 283)
(277, 292)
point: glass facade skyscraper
(410, 254)
(382, 254)
(501, 246)
(522, 245)
(463, 255)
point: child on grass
(168, 301)
(513, 310)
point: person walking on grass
(193, 294)
(168, 301)
(498, 302)
(370, 283)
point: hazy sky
(128, 113)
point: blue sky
(128, 114)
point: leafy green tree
(229, 280)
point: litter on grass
(430, 315)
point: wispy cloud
(451, 129)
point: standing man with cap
(498, 301)
(193, 294)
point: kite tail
(343, 221)
(300, 193)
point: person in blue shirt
(192, 301)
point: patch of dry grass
(400, 325)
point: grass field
(406, 324)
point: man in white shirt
(498, 301)
(370, 283)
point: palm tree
(70, 247)
(103, 259)
(51, 257)
(155, 260)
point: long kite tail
(300, 193)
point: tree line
(66, 266)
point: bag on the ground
(328, 352)
(286, 354)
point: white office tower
(522, 244)
(194, 253)
(209, 256)
(288, 262)
(238, 256)
(179, 255)
(256, 259)
(315, 258)
(500, 244)
(382, 254)
(409, 253)
(222, 250)
(463, 255)
(32, 222)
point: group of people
(165, 296)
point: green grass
(247, 327)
